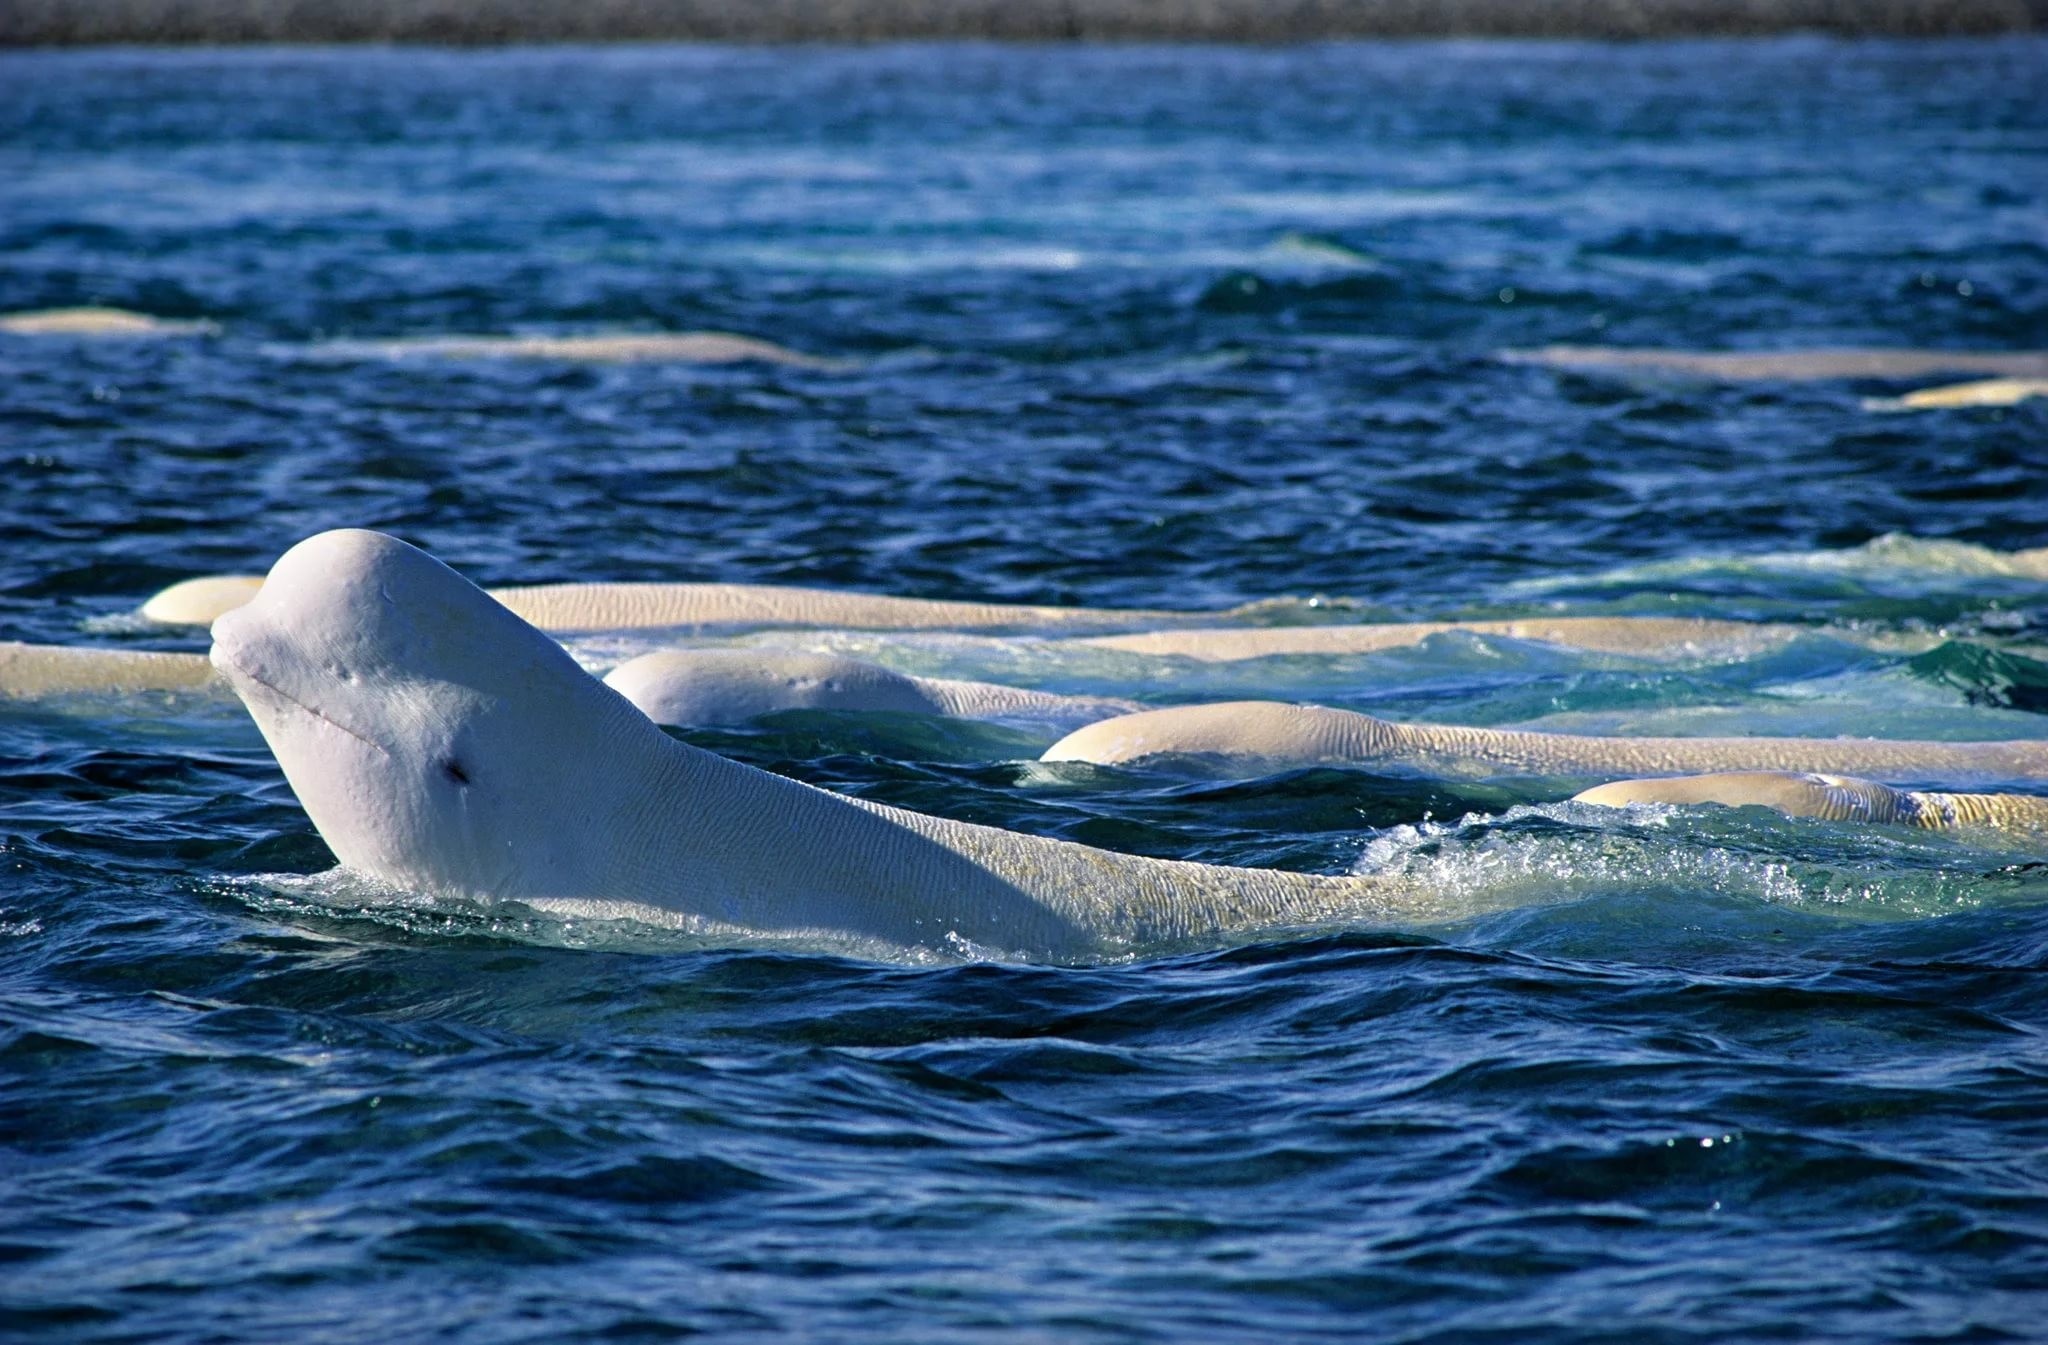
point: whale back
(1836, 798)
(728, 686)
(1231, 731)
(201, 601)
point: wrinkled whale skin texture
(37, 670)
(1834, 798)
(1271, 734)
(94, 321)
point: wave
(1893, 561)
(1999, 678)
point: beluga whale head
(438, 742)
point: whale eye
(452, 769)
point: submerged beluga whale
(1831, 798)
(1270, 734)
(735, 686)
(442, 745)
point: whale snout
(230, 638)
(279, 681)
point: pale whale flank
(1836, 798)
(442, 745)
(721, 686)
(90, 321)
(196, 602)
(1961, 396)
(593, 348)
(35, 670)
(1267, 734)
(599, 607)
(567, 608)
(1757, 366)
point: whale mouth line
(264, 682)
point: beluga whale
(1830, 798)
(92, 320)
(735, 686)
(443, 746)
(1269, 735)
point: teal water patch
(1996, 677)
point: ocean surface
(1147, 327)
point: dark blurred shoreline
(476, 22)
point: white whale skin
(442, 745)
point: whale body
(442, 745)
(35, 670)
(1268, 734)
(1952, 396)
(95, 321)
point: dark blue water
(1151, 327)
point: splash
(1549, 854)
(358, 901)
(1892, 560)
